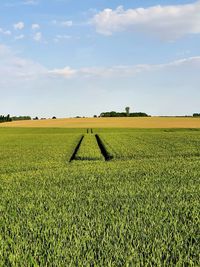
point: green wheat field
(139, 208)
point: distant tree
(127, 109)
(196, 115)
(8, 118)
(36, 118)
(20, 118)
(53, 118)
(5, 118)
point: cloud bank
(14, 67)
(192, 63)
(169, 22)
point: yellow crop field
(148, 122)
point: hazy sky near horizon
(75, 57)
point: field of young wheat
(110, 197)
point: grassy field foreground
(141, 208)
(150, 122)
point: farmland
(141, 208)
(149, 122)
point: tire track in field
(102, 148)
(76, 149)
(100, 145)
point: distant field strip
(150, 122)
(138, 145)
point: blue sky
(74, 57)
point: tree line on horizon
(8, 118)
(5, 118)
(196, 115)
(123, 114)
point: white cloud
(14, 68)
(19, 37)
(66, 72)
(30, 2)
(169, 22)
(5, 32)
(19, 26)
(65, 23)
(192, 63)
(37, 36)
(35, 26)
(59, 38)
(22, 3)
